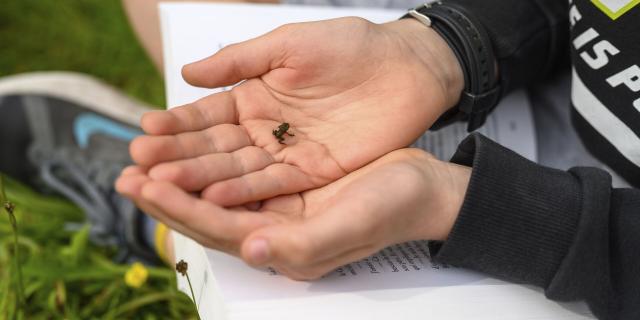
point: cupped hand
(403, 196)
(351, 91)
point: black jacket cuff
(518, 219)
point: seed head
(182, 267)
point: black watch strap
(472, 46)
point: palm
(360, 211)
(345, 111)
(394, 176)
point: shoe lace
(89, 183)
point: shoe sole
(78, 88)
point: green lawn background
(64, 275)
(88, 36)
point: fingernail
(259, 251)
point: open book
(400, 282)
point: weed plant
(64, 276)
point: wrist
(473, 48)
(435, 56)
(448, 187)
(434, 198)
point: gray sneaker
(69, 134)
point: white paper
(398, 267)
(510, 124)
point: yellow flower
(136, 276)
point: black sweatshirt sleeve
(568, 232)
(530, 37)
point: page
(400, 282)
(400, 266)
(511, 125)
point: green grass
(88, 36)
(64, 275)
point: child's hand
(351, 91)
(403, 196)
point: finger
(317, 270)
(132, 170)
(197, 173)
(201, 217)
(151, 150)
(240, 61)
(253, 206)
(322, 268)
(209, 111)
(157, 214)
(299, 246)
(131, 185)
(276, 179)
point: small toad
(282, 129)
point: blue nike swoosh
(88, 124)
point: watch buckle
(420, 17)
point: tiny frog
(279, 133)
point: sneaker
(69, 134)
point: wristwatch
(472, 46)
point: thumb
(307, 243)
(237, 62)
